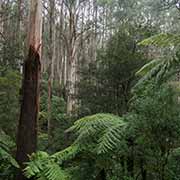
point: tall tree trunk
(52, 32)
(27, 129)
(70, 84)
(1, 23)
(71, 51)
(95, 14)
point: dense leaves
(8, 163)
(105, 85)
(147, 137)
(9, 100)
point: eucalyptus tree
(71, 33)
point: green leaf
(162, 40)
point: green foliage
(150, 133)
(105, 85)
(159, 69)
(58, 118)
(159, 106)
(86, 128)
(162, 40)
(66, 154)
(8, 164)
(156, 127)
(104, 129)
(149, 66)
(9, 100)
(173, 165)
(42, 167)
(147, 135)
(113, 138)
(164, 67)
(145, 139)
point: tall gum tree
(52, 53)
(27, 128)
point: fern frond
(162, 40)
(66, 154)
(90, 128)
(152, 73)
(95, 121)
(106, 129)
(147, 67)
(36, 164)
(111, 138)
(160, 70)
(101, 131)
(45, 167)
(53, 171)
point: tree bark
(71, 58)
(52, 32)
(27, 128)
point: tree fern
(43, 167)
(93, 122)
(90, 127)
(96, 134)
(160, 68)
(66, 154)
(53, 171)
(162, 40)
(112, 138)
(103, 130)
(149, 66)
(37, 163)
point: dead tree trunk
(27, 129)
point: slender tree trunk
(60, 55)
(71, 51)
(19, 25)
(70, 84)
(49, 109)
(95, 30)
(27, 129)
(1, 23)
(52, 62)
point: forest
(89, 89)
